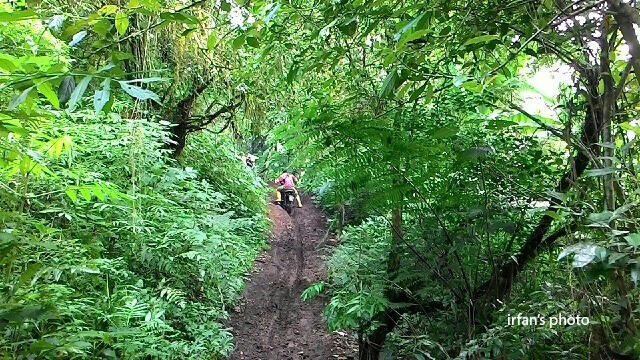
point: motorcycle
(288, 196)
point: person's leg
(297, 197)
(278, 194)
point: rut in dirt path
(271, 321)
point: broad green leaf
(6, 17)
(472, 86)
(145, 80)
(253, 42)
(389, 84)
(600, 172)
(238, 42)
(55, 23)
(407, 27)
(601, 218)
(45, 89)
(633, 240)
(98, 193)
(19, 99)
(180, 17)
(71, 193)
(445, 31)
(188, 31)
(77, 37)
(458, 80)
(138, 92)
(66, 88)
(101, 97)
(225, 6)
(293, 71)
(445, 132)
(429, 94)
(417, 92)
(86, 193)
(479, 39)
(583, 253)
(212, 40)
(8, 63)
(152, 5)
(108, 10)
(102, 27)
(78, 92)
(122, 22)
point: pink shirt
(288, 180)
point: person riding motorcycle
(287, 181)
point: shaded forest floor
(270, 320)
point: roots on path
(271, 321)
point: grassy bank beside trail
(109, 247)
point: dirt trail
(271, 321)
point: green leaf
(8, 63)
(212, 40)
(71, 193)
(389, 84)
(180, 17)
(101, 97)
(45, 89)
(600, 172)
(633, 240)
(14, 16)
(98, 193)
(312, 291)
(408, 27)
(458, 80)
(429, 94)
(145, 80)
(19, 99)
(77, 38)
(122, 22)
(293, 71)
(445, 132)
(77, 93)
(479, 39)
(445, 31)
(253, 42)
(108, 10)
(225, 6)
(602, 218)
(417, 92)
(238, 42)
(86, 194)
(66, 88)
(583, 253)
(138, 92)
(102, 27)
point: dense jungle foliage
(478, 159)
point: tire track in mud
(271, 321)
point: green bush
(118, 250)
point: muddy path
(271, 321)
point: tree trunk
(181, 119)
(502, 280)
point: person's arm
(295, 179)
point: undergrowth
(119, 251)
